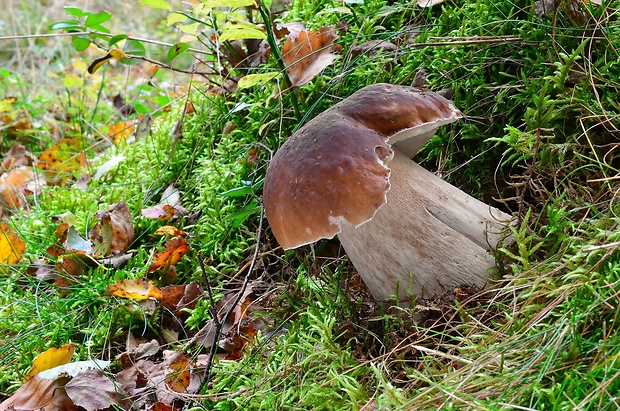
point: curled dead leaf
(308, 54)
(176, 248)
(19, 183)
(114, 232)
(40, 394)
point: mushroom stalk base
(429, 238)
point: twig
(615, 244)
(212, 308)
(220, 324)
(98, 33)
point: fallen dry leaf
(17, 156)
(17, 122)
(373, 48)
(114, 232)
(176, 248)
(240, 326)
(51, 358)
(64, 157)
(92, 390)
(72, 369)
(179, 377)
(306, 55)
(40, 394)
(159, 212)
(170, 231)
(17, 184)
(178, 297)
(160, 406)
(12, 246)
(135, 289)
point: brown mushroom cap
(335, 167)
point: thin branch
(98, 33)
(220, 324)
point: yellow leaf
(112, 54)
(71, 80)
(174, 18)
(191, 29)
(135, 289)
(227, 3)
(51, 358)
(253, 79)
(6, 104)
(63, 156)
(11, 246)
(79, 65)
(242, 33)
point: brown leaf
(17, 156)
(40, 394)
(160, 406)
(178, 297)
(19, 183)
(41, 270)
(176, 248)
(123, 108)
(92, 390)
(252, 155)
(240, 326)
(114, 232)
(134, 381)
(309, 54)
(290, 30)
(373, 48)
(159, 212)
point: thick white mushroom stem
(429, 237)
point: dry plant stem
(447, 235)
(271, 39)
(220, 324)
(77, 33)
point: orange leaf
(120, 132)
(138, 290)
(51, 358)
(12, 247)
(308, 54)
(17, 184)
(176, 248)
(152, 70)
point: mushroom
(349, 172)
